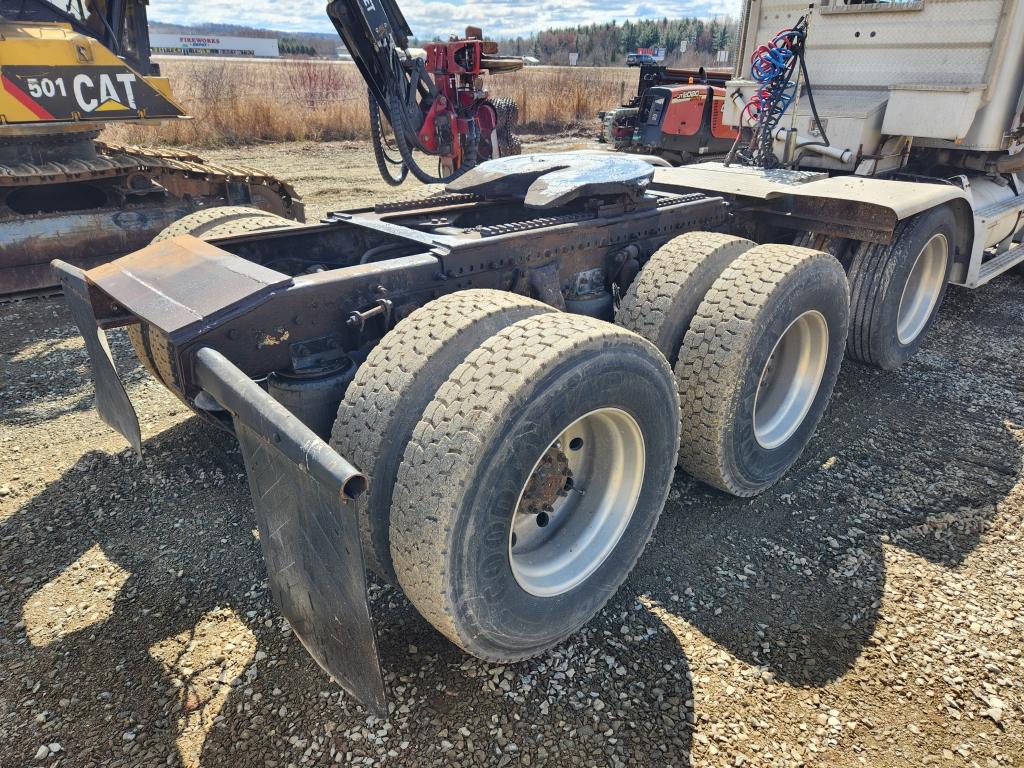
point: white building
(214, 45)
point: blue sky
(497, 17)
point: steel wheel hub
(577, 502)
(790, 379)
(921, 293)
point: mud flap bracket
(112, 401)
(302, 492)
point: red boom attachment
(463, 109)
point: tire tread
(388, 389)
(686, 264)
(455, 429)
(715, 352)
(221, 221)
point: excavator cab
(119, 25)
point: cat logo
(105, 96)
(74, 93)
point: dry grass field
(236, 102)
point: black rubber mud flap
(302, 491)
(112, 401)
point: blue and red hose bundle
(773, 67)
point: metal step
(1001, 208)
(1001, 263)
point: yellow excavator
(67, 68)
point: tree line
(690, 40)
(289, 46)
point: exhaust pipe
(843, 156)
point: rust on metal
(66, 195)
(176, 284)
(836, 217)
(238, 293)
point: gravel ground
(865, 611)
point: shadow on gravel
(104, 569)
(915, 459)
(44, 372)
(136, 594)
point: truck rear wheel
(839, 247)
(758, 365)
(896, 289)
(399, 378)
(204, 224)
(221, 221)
(533, 482)
(663, 299)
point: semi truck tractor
(483, 396)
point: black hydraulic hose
(384, 162)
(810, 98)
(399, 121)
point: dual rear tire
(519, 460)
(755, 334)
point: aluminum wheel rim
(583, 490)
(790, 379)
(921, 293)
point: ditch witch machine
(483, 395)
(676, 114)
(66, 69)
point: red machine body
(685, 111)
(463, 107)
(433, 103)
(677, 114)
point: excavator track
(182, 164)
(88, 202)
(113, 160)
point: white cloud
(497, 17)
